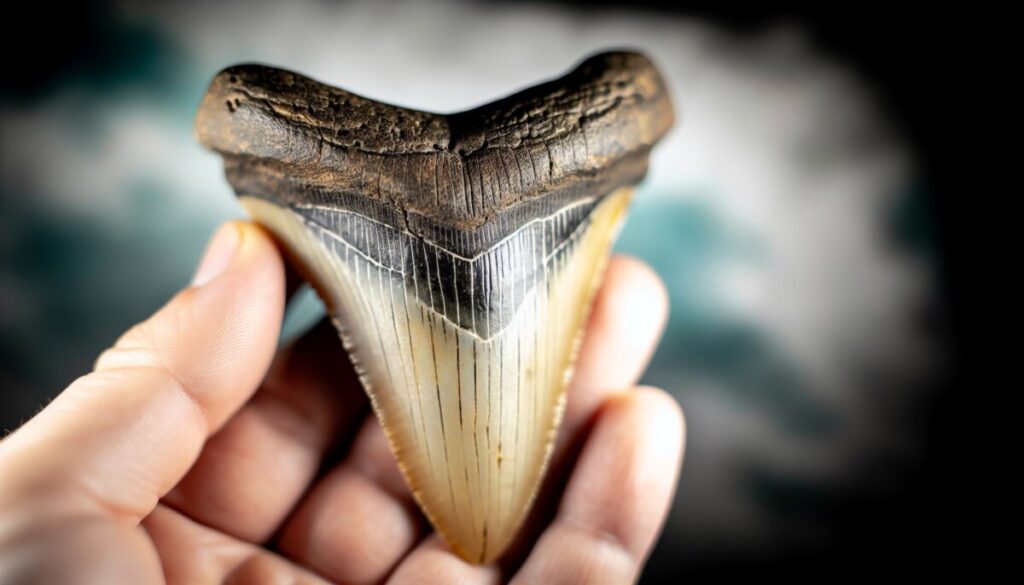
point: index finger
(117, 439)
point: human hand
(192, 453)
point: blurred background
(791, 211)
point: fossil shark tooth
(457, 254)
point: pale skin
(195, 453)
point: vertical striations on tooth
(457, 255)
(471, 414)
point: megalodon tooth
(457, 254)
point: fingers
(625, 326)
(360, 519)
(251, 474)
(119, 438)
(617, 497)
(79, 550)
(433, 562)
(193, 553)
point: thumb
(119, 438)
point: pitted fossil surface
(459, 169)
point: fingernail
(219, 253)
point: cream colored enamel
(471, 421)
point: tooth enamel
(462, 312)
(480, 412)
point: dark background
(926, 62)
(916, 63)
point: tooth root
(466, 361)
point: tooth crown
(458, 256)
